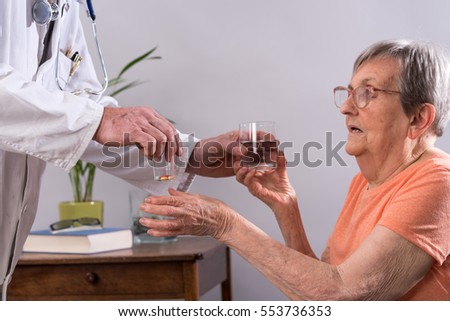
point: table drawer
(98, 281)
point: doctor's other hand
(214, 157)
(188, 214)
(141, 126)
(270, 186)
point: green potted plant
(83, 173)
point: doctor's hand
(214, 157)
(141, 126)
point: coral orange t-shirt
(414, 204)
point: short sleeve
(420, 210)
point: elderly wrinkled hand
(270, 186)
(141, 126)
(187, 214)
(214, 157)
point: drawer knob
(91, 277)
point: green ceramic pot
(74, 210)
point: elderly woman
(392, 238)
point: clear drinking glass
(136, 198)
(164, 171)
(259, 138)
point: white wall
(229, 61)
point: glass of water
(136, 198)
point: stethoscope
(44, 12)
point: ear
(421, 121)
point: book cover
(79, 242)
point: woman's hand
(188, 215)
(271, 186)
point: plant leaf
(115, 81)
(89, 182)
(128, 86)
(137, 60)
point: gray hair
(424, 75)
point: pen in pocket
(76, 60)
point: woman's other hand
(187, 214)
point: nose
(348, 107)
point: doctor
(49, 115)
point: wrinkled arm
(291, 225)
(384, 267)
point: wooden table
(184, 269)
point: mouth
(354, 129)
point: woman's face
(380, 128)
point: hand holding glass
(136, 198)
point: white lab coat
(41, 124)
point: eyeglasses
(361, 95)
(86, 221)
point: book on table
(80, 241)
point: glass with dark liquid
(260, 143)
